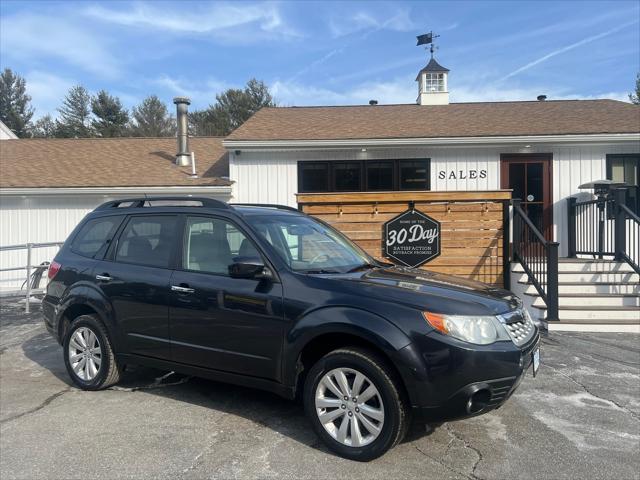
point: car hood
(432, 291)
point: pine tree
(151, 119)
(75, 114)
(15, 108)
(111, 118)
(44, 127)
(232, 108)
(635, 97)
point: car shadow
(262, 408)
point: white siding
(42, 219)
(271, 176)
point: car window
(211, 245)
(147, 241)
(94, 235)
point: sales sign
(412, 238)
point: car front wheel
(355, 403)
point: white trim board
(195, 190)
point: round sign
(530, 198)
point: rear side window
(95, 235)
(147, 241)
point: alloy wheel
(349, 407)
(85, 354)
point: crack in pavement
(445, 465)
(586, 389)
(468, 445)
(46, 402)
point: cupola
(433, 84)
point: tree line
(82, 115)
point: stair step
(590, 326)
(573, 265)
(591, 300)
(592, 277)
(626, 288)
(599, 314)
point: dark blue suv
(267, 297)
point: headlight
(481, 330)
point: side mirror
(249, 267)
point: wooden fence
(472, 225)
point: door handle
(104, 278)
(177, 288)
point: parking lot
(579, 418)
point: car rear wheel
(88, 354)
(355, 403)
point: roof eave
(231, 144)
(173, 189)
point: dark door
(216, 321)
(530, 178)
(135, 279)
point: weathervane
(427, 38)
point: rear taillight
(54, 268)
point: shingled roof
(109, 162)
(560, 117)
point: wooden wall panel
(472, 225)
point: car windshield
(309, 246)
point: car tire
(375, 423)
(88, 354)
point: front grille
(519, 326)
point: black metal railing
(604, 227)
(538, 257)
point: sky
(321, 53)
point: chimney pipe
(541, 98)
(183, 157)
(373, 102)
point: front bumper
(447, 380)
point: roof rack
(179, 202)
(265, 205)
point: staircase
(593, 296)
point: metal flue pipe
(183, 156)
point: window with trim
(95, 236)
(434, 82)
(364, 176)
(147, 240)
(626, 168)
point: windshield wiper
(323, 270)
(364, 266)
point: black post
(552, 282)
(506, 251)
(517, 229)
(571, 226)
(602, 202)
(619, 197)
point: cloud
(567, 48)
(343, 25)
(222, 19)
(202, 93)
(47, 91)
(35, 37)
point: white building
(48, 185)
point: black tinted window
(347, 176)
(379, 175)
(211, 245)
(414, 175)
(94, 235)
(314, 177)
(147, 241)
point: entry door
(530, 178)
(219, 322)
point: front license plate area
(535, 361)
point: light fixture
(363, 150)
(527, 146)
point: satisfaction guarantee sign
(412, 238)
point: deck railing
(604, 227)
(538, 257)
(29, 286)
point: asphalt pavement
(579, 418)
